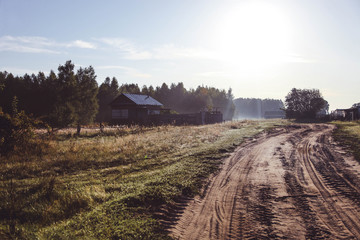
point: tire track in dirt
(335, 191)
(289, 184)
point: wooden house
(134, 108)
(144, 110)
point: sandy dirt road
(292, 183)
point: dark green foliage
(129, 88)
(176, 97)
(59, 100)
(73, 98)
(64, 110)
(108, 91)
(16, 132)
(304, 103)
(86, 96)
(194, 100)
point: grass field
(111, 185)
(348, 134)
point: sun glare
(253, 36)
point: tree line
(249, 108)
(73, 97)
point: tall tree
(63, 112)
(304, 103)
(129, 88)
(108, 91)
(86, 103)
(76, 101)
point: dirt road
(292, 183)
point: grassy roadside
(348, 135)
(109, 186)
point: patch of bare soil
(293, 183)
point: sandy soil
(292, 183)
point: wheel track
(285, 185)
(349, 218)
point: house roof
(350, 109)
(139, 99)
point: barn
(134, 108)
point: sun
(253, 36)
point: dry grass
(348, 134)
(108, 185)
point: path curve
(293, 182)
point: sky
(260, 49)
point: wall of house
(145, 116)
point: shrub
(16, 133)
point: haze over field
(261, 49)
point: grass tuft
(348, 135)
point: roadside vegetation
(348, 135)
(110, 185)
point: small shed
(338, 114)
(134, 108)
(352, 114)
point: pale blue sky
(259, 48)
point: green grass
(348, 135)
(111, 185)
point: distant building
(338, 114)
(274, 114)
(144, 110)
(350, 114)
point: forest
(73, 97)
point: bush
(16, 133)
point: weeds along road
(294, 183)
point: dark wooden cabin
(134, 109)
(140, 109)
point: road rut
(292, 183)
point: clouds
(26, 44)
(171, 51)
(122, 47)
(126, 48)
(21, 71)
(118, 56)
(81, 44)
(36, 44)
(127, 70)
(131, 51)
